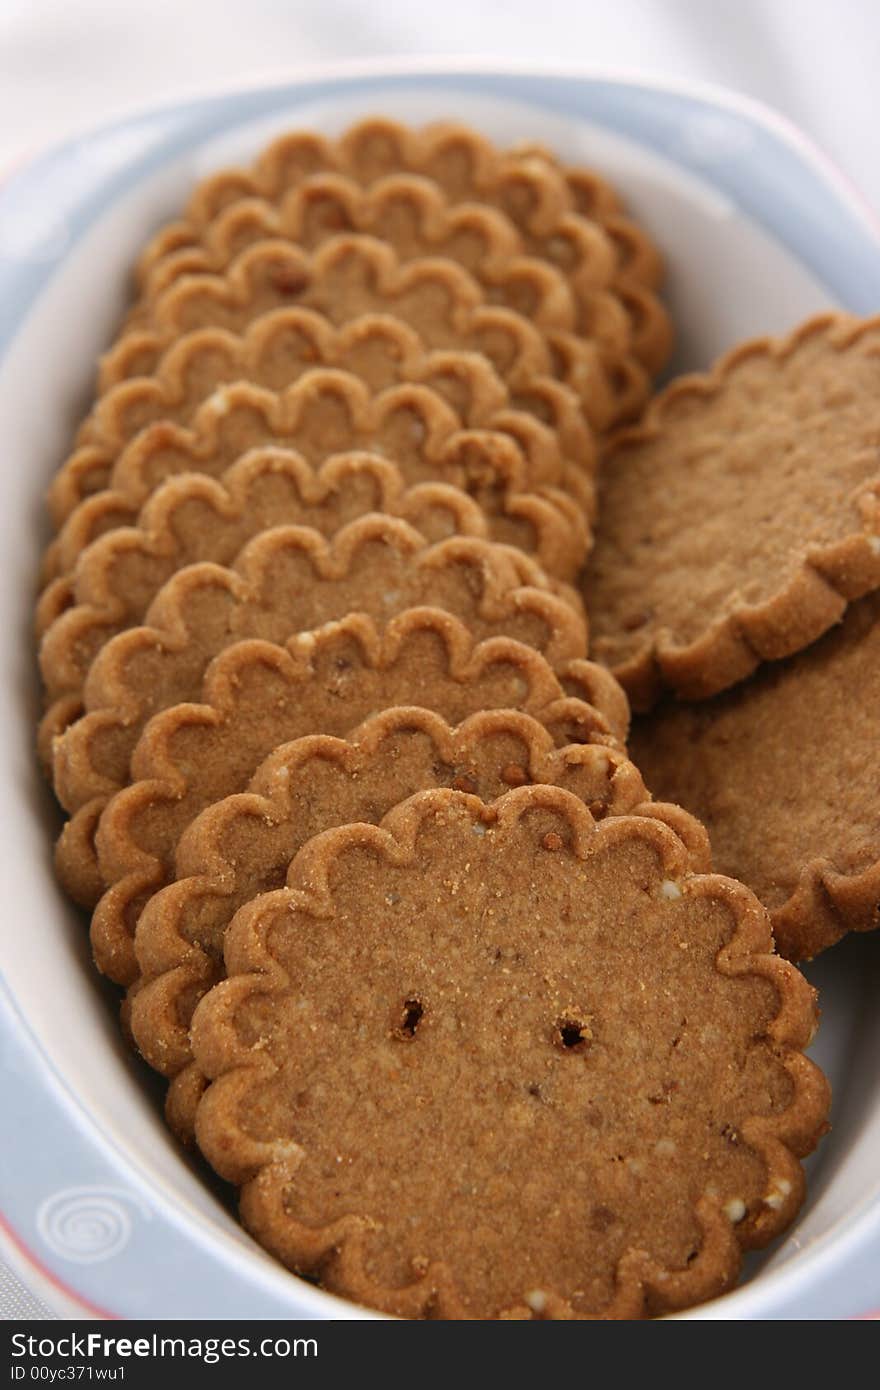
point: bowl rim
(858, 1230)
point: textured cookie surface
(234, 392)
(504, 1062)
(120, 568)
(258, 696)
(462, 163)
(413, 215)
(566, 216)
(783, 771)
(350, 276)
(242, 845)
(132, 551)
(292, 579)
(742, 517)
(329, 412)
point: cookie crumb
(219, 402)
(776, 1196)
(669, 889)
(735, 1210)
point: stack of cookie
(741, 534)
(513, 1052)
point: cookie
(203, 371)
(242, 845)
(257, 696)
(638, 259)
(327, 412)
(289, 579)
(352, 275)
(783, 772)
(597, 249)
(743, 515)
(412, 214)
(508, 1062)
(193, 518)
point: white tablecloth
(63, 62)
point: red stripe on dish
(53, 1279)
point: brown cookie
(193, 518)
(568, 217)
(258, 696)
(783, 772)
(352, 275)
(242, 845)
(740, 519)
(324, 413)
(286, 580)
(200, 380)
(412, 214)
(417, 1034)
(638, 259)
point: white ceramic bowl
(99, 1208)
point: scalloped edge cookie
(552, 206)
(580, 703)
(827, 900)
(201, 376)
(346, 277)
(804, 606)
(412, 214)
(498, 586)
(275, 487)
(175, 968)
(336, 1253)
(325, 412)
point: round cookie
(328, 412)
(285, 580)
(206, 375)
(257, 696)
(412, 215)
(743, 515)
(508, 1062)
(352, 275)
(568, 217)
(241, 845)
(782, 771)
(193, 518)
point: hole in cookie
(411, 1017)
(633, 621)
(572, 1034)
(464, 782)
(290, 283)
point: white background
(64, 63)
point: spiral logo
(87, 1224)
